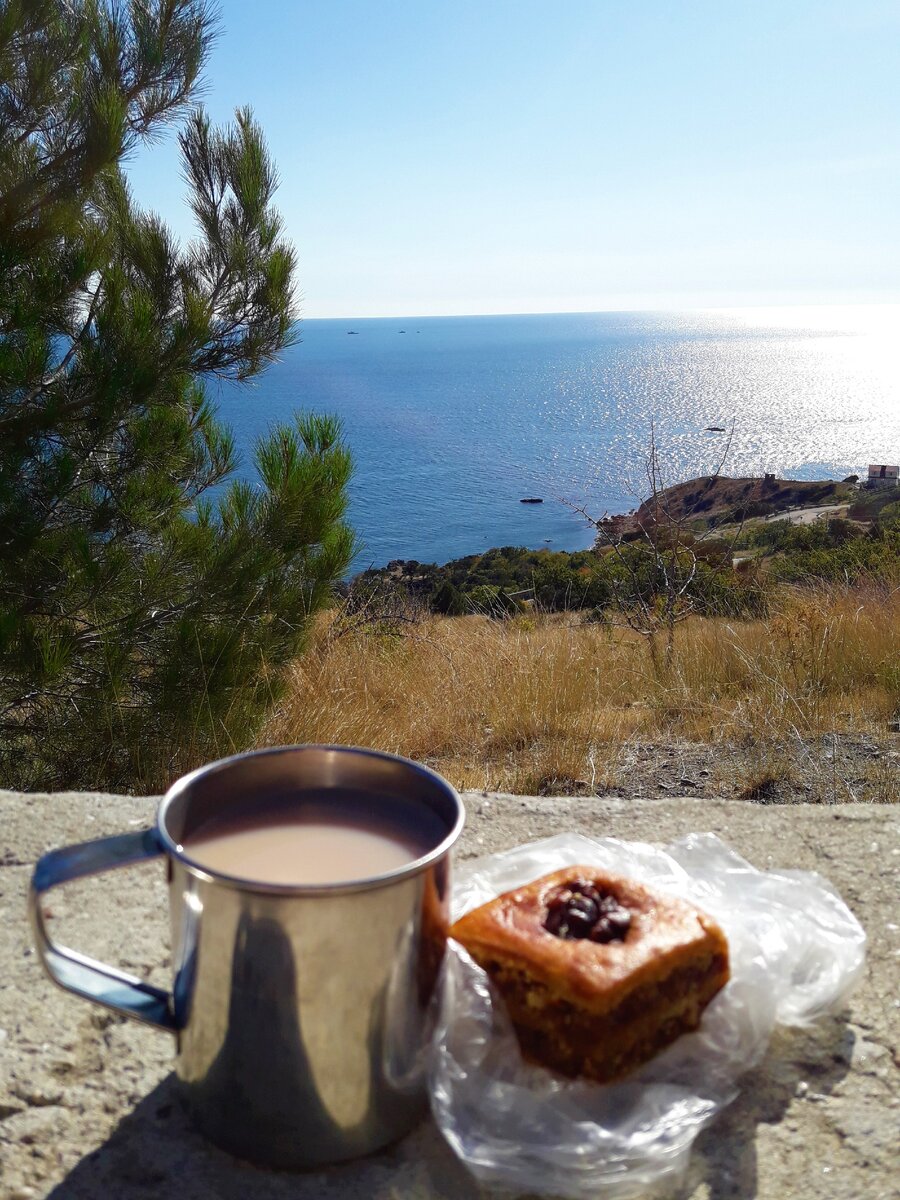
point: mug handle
(76, 972)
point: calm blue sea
(452, 420)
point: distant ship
(531, 500)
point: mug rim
(367, 883)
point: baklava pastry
(598, 972)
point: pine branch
(60, 370)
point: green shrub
(491, 601)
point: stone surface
(89, 1108)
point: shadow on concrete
(799, 1063)
(155, 1152)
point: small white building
(882, 476)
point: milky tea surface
(315, 838)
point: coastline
(705, 503)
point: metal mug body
(301, 1013)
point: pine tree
(142, 623)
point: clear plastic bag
(796, 951)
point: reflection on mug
(261, 1078)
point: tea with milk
(326, 837)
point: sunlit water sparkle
(454, 420)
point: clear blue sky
(476, 156)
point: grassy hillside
(762, 665)
(550, 703)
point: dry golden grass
(544, 703)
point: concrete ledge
(87, 1103)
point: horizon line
(590, 312)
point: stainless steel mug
(300, 1013)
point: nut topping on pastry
(580, 910)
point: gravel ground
(834, 769)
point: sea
(453, 421)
